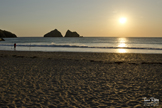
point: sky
(90, 18)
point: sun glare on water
(121, 45)
(123, 20)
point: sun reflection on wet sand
(121, 50)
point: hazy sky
(87, 17)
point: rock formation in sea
(71, 34)
(1, 39)
(54, 33)
(6, 34)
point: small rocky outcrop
(71, 34)
(54, 33)
(1, 39)
(6, 34)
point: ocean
(85, 44)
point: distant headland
(6, 34)
(56, 33)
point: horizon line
(95, 36)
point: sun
(123, 20)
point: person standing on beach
(14, 45)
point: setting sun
(123, 20)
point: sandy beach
(76, 80)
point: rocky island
(1, 39)
(6, 34)
(71, 34)
(54, 33)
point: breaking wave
(80, 46)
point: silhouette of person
(14, 45)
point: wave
(81, 46)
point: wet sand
(59, 79)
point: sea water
(85, 44)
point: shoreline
(68, 79)
(136, 57)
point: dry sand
(98, 80)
